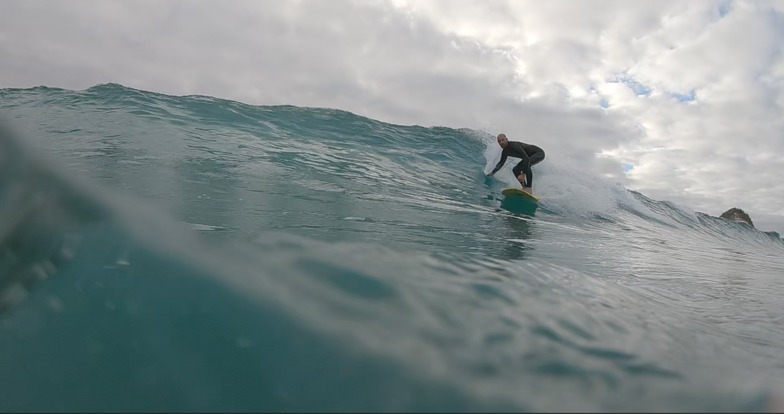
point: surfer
(529, 155)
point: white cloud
(692, 89)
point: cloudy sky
(680, 100)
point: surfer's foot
(528, 190)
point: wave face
(191, 254)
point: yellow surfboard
(518, 192)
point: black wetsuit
(530, 155)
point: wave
(191, 253)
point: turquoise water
(195, 254)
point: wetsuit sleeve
(521, 152)
(500, 163)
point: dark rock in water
(773, 235)
(736, 214)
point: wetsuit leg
(534, 159)
(537, 157)
(525, 167)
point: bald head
(502, 140)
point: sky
(679, 100)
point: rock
(736, 214)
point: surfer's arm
(500, 163)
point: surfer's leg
(520, 172)
(529, 178)
(535, 158)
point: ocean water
(198, 254)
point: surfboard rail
(518, 192)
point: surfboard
(518, 192)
